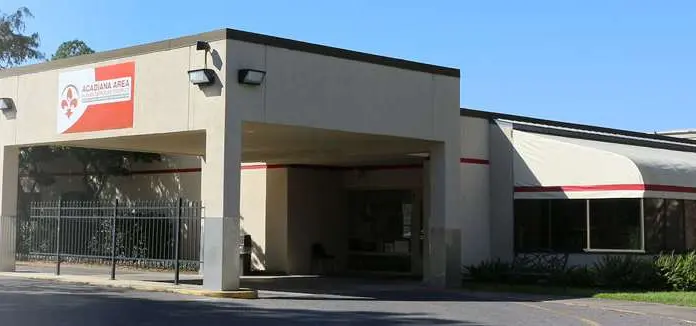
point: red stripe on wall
(608, 187)
(469, 160)
(387, 167)
(189, 170)
(167, 171)
(280, 166)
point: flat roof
(589, 132)
(678, 132)
(232, 34)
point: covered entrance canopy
(280, 144)
(551, 166)
(315, 104)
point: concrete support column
(475, 181)
(502, 196)
(220, 192)
(444, 223)
(9, 176)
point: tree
(98, 165)
(71, 49)
(15, 46)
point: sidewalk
(125, 278)
(267, 286)
(102, 271)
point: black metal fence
(164, 235)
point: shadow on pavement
(366, 289)
(317, 288)
(36, 303)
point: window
(531, 225)
(615, 224)
(557, 225)
(568, 225)
(665, 224)
(690, 224)
(674, 226)
(654, 224)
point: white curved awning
(548, 166)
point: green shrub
(627, 272)
(575, 276)
(489, 271)
(679, 271)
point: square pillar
(501, 191)
(220, 192)
(443, 263)
(9, 176)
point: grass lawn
(666, 297)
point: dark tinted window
(568, 225)
(655, 216)
(690, 224)
(531, 225)
(615, 224)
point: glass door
(382, 224)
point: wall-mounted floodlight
(205, 76)
(202, 76)
(250, 76)
(6, 104)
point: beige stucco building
(316, 105)
(368, 156)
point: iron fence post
(60, 212)
(113, 241)
(177, 239)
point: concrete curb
(137, 285)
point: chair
(322, 260)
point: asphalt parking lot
(26, 302)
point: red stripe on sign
(608, 187)
(117, 115)
(469, 160)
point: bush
(627, 272)
(679, 271)
(575, 276)
(613, 272)
(489, 271)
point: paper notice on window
(407, 211)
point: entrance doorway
(385, 233)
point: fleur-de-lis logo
(69, 101)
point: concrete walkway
(126, 279)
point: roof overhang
(232, 34)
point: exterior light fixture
(205, 76)
(6, 104)
(202, 76)
(250, 76)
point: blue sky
(627, 64)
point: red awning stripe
(607, 187)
